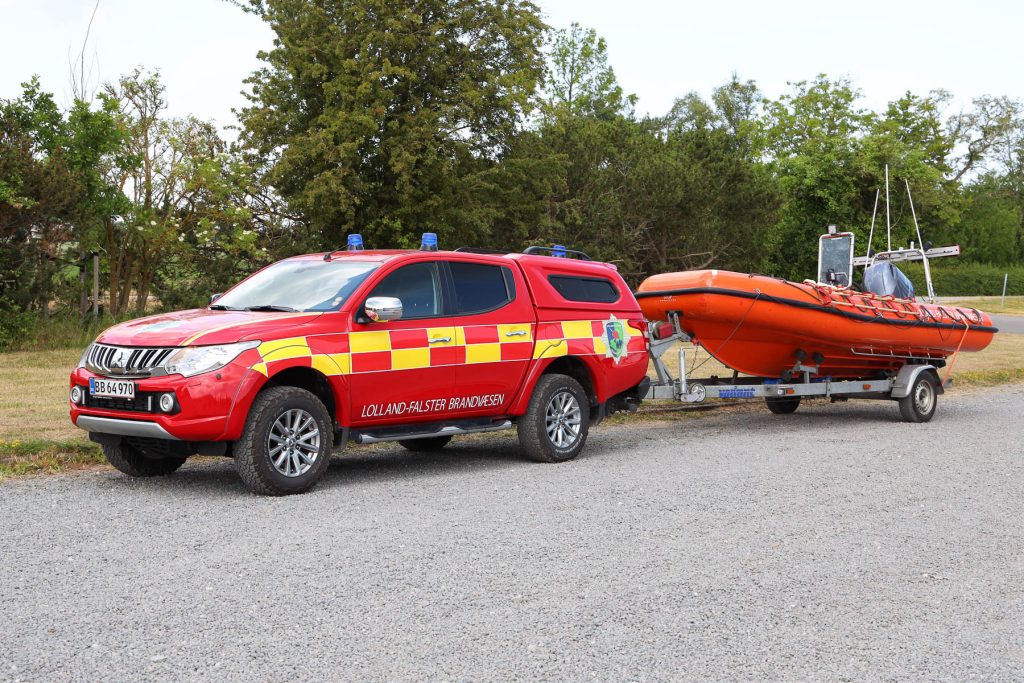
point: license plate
(111, 388)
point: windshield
(297, 285)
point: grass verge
(42, 456)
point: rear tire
(286, 443)
(782, 405)
(556, 423)
(434, 443)
(920, 404)
(134, 463)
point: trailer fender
(906, 377)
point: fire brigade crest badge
(615, 339)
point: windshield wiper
(271, 307)
(222, 307)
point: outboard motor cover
(885, 279)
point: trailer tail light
(664, 331)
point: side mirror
(381, 309)
(214, 297)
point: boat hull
(762, 326)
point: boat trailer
(916, 385)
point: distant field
(1014, 304)
(34, 395)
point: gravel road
(1009, 323)
(833, 544)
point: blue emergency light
(355, 242)
(558, 251)
(429, 242)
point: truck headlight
(194, 360)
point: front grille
(144, 402)
(126, 361)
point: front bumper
(111, 425)
(204, 404)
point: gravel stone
(833, 544)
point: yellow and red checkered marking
(385, 350)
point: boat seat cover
(885, 279)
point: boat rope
(952, 361)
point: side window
(595, 290)
(418, 286)
(480, 287)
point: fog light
(167, 402)
(76, 394)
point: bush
(966, 279)
(16, 327)
(27, 331)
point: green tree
(579, 80)
(187, 207)
(991, 225)
(371, 114)
(52, 190)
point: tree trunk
(83, 295)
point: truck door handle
(438, 340)
(516, 333)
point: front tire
(920, 404)
(135, 463)
(286, 444)
(556, 423)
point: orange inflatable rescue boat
(763, 326)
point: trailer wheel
(134, 463)
(555, 426)
(919, 405)
(782, 405)
(286, 443)
(433, 443)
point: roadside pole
(1006, 276)
(95, 284)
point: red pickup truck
(407, 346)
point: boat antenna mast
(919, 252)
(921, 246)
(888, 221)
(871, 233)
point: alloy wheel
(562, 419)
(294, 442)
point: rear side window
(596, 290)
(480, 287)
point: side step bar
(419, 433)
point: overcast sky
(660, 49)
